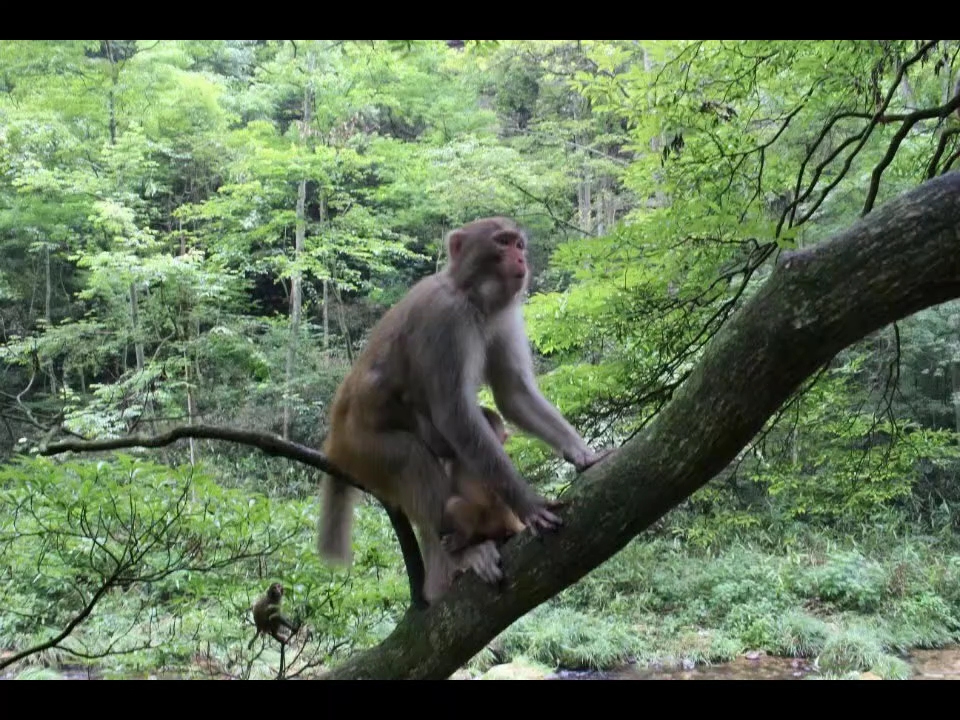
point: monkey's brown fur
(428, 355)
(268, 618)
(476, 513)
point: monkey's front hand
(582, 459)
(540, 517)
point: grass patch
(890, 667)
(798, 634)
(568, 638)
(685, 650)
(855, 648)
(923, 621)
(851, 606)
(847, 581)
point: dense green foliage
(205, 231)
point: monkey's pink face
(513, 260)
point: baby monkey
(475, 513)
(268, 617)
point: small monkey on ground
(428, 355)
(269, 618)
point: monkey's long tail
(336, 522)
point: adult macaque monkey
(429, 354)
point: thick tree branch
(901, 258)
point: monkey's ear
(455, 243)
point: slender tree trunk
(326, 317)
(295, 307)
(48, 310)
(440, 251)
(955, 377)
(112, 111)
(296, 279)
(584, 201)
(609, 203)
(111, 93)
(191, 413)
(326, 290)
(343, 324)
(188, 379)
(48, 288)
(135, 321)
(601, 206)
(657, 142)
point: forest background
(205, 231)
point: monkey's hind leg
(484, 559)
(440, 567)
(460, 522)
(412, 558)
(422, 489)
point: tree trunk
(111, 93)
(112, 110)
(657, 142)
(326, 317)
(901, 258)
(48, 312)
(135, 322)
(348, 341)
(326, 289)
(955, 378)
(295, 306)
(295, 278)
(191, 407)
(584, 203)
(48, 287)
